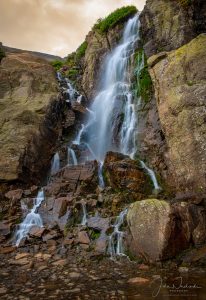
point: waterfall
(31, 219)
(115, 96)
(78, 138)
(72, 159)
(84, 218)
(115, 246)
(100, 175)
(152, 175)
(55, 164)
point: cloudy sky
(52, 26)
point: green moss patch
(143, 85)
(80, 52)
(119, 16)
(57, 64)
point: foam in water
(84, 217)
(152, 175)
(32, 219)
(72, 159)
(55, 163)
(115, 246)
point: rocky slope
(29, 117)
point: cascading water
(116, 238)
(72, 159)
(32, 219)
(84, 217)
(115, 95)
(55, 164)
(152, 176)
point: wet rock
(138, 280)
(20, 262)
(101, 244)
(83, 237)
(124, 173)
(5, 228)
(5, 250)
(98, 223)
(155, 232)
(21, 255)
(78, 107)
(75, 179)
(37, 231)
(49, 236)
(14, 194)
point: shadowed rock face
(180, 87)
(29, 116)
(169, 24)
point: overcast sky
(52, 26)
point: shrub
(80, 52)
(119, 16)
(57, 64)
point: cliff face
(28, 116)
(178, 78)
(167, 25)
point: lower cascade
(32, 219)
(115, 247)
(55, 163)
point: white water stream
(55, 164)
(115, 246)
(32, 219)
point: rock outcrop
(159, 230)
(29, 116)
(180, 86)
(99, 45)
(122, 173)
(168, 25)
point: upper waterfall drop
(114, 122)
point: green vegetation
(119, 16)
(57, 64)
(143, 86)
(2, 54)
(80, 52)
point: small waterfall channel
(32, 219)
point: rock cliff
(29, 117)
(174, 50)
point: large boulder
(159, 230)
(74, 179)
(154, 233)
(179, 79)
(29, 116)
(124, 173)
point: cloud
(52, 26)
